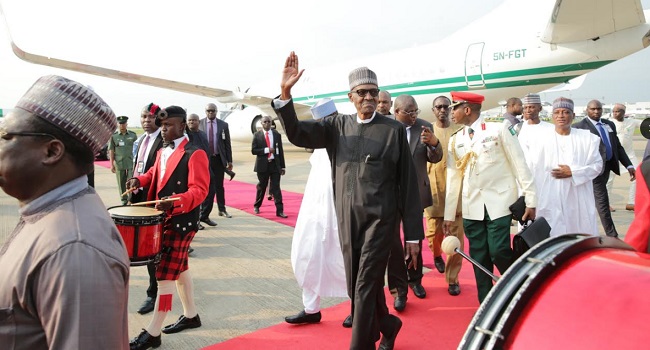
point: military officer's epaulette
(455, 132)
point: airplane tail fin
(573, 20)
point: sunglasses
(442, 107)
(411, 113)
(210, 111)
(364, 92)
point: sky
(233, 44)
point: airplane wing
(222, 96)
(573, 20)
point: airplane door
(474, 66)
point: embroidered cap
(563, 102)
(72, 107)
(323, 108)
(460, 97)
(531, 99)
(122, 119)
(360, 76)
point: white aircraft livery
(549, 43)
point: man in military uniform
(485, 160)
(120, 153)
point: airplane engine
(243, 123)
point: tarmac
(243, 280)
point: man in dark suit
(423, 146)
(220, 157)
(145, 156)
(267, 146)
(614, 153)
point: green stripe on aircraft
(476, 78)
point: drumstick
(128, 191)
(157, 201)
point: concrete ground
(241, 268)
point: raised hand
(290, 75)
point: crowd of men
(387, 171)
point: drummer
(64, 269)
(180, 172)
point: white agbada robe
(567, 204)
(529, 135)
(316, 255)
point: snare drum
(141, 230)
(567, 292)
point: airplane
(521, 46)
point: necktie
(268, 143)
(211, 137)
(141, 156)
(603, 135)
(471, 133)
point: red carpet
(436, 322)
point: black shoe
(418, 290)
(303, 317)
(182, 324)
(256, 210)
(190, 250)
(232, 175)
(270, 197)
(201, 227)
(147, 306)
(144, 341)
(209, 222)
(388, 341)
(225, 213)
(347, 323)
(454, 289)
(399, 304)
(440, 264)
(281, 215)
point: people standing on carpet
(64, 269)
(564, 161)
(374, 189)
(148, 145)
(315, 249)
(625, 128)
(614, 153)
(120, 154)
(424, 148)
(435, 213)
(220, 157)
(486, 161)
(181, 173)
(269, 165)
(384, 105)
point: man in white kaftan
(564, 166)
(316, 255)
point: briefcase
(530, 235)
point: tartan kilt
(173, 259)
